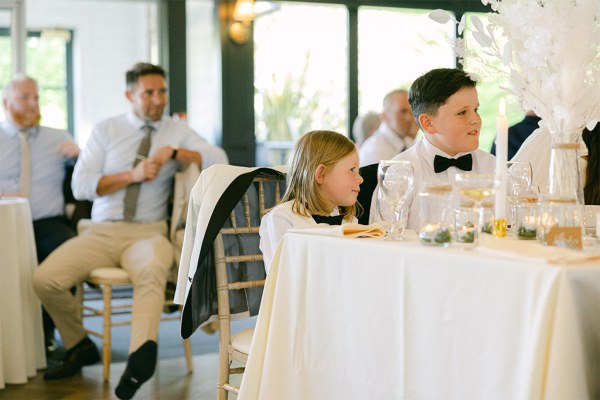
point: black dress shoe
(140, 368)
(83, 353)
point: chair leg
(187, 348)
(106, 332)
(224, 360)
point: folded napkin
(534, 251)
(351, 230)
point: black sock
(140, 367)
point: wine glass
(518, 182)
(478, 188)
(395, 179)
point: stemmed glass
(518, 183)
(479, 188)
(395, 180)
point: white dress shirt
(277, 222)
(536, 149)
(384, 144)
(421, 156)
(47, 167)
(112, 149)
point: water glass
(518, 183)
(395, 179)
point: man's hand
(68, 149)
(145, 171)
(162, 155)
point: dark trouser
(49, 234)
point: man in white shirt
(396, 132)
(127, 169)
(445, 103)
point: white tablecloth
(372, 319)
(21, 333)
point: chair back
(240, 273)
(367, 187)
(239, 266)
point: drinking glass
(395, 179)
(478, 188)
(518, 182)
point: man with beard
(32, 165)
(127, 169)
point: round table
(21, 333)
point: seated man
(127, 169)
(396, 132)
(32, 164)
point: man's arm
(183, 155)
(145, 171)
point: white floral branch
(549, 52)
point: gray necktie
(25, 174)
(133, 190)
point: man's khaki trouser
(143, 250)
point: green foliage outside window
(46, 62)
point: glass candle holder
(560, 223)
(465, 227)
(435, 215)
(487, 219)
(527, 221)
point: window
(47, 61)
(300, 76)
(396, 46)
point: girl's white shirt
(277, 222)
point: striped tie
(133, 190)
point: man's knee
(41, 282)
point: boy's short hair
(140, 69)
(431, 90)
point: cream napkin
(350, 230)
(530, 249)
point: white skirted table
(372, 319)
(21, 333)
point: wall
(109, 37)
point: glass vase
(564, 176)
(560, 222)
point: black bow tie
(335, 220)
(440, 164)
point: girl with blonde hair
(322, 186)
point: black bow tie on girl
(335, 220)
(440, 164)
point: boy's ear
(426, 123)
(320, 174)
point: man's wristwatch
(175, 149)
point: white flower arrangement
(550, 54)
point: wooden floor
(170, 381)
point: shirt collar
(139, 123)
(429, 152)
(392, 137)
(13, 130)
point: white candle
(501, 159)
